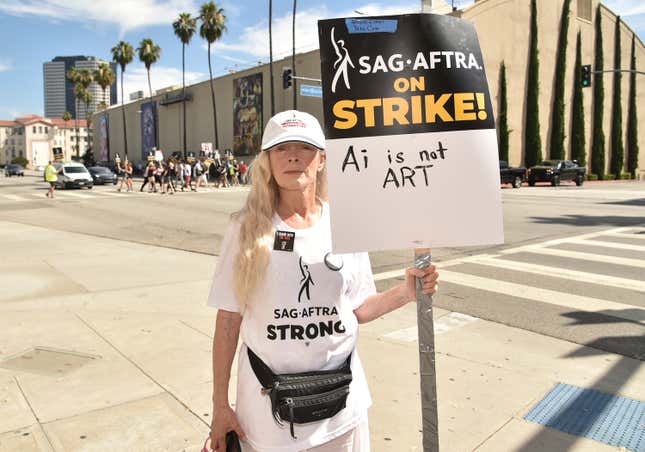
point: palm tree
(213, 25)
(104, 76)
(85, 79)
(149, 53)
(66, 117)
(185, 27)
(122, 54)
(74, 77)
(84, 95)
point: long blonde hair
(256, 226)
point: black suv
(556, 171)
(102, 175)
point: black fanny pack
(303, 397)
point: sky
(36, 31)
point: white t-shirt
(301, 319)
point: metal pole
(631, 71)
(293, 59)
(427, 371)
(309, 79)
(271, 58)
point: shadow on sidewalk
(611, 382)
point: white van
(74, 175)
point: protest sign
(58, 154)
(411, 144)
(207, 149)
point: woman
(296, 306)
(128, 175)
(127, 171)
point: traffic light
(286, 78)
(585, 73)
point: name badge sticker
(284, 240)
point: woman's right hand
(224, 420)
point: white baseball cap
(293, 125)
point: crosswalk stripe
(568, 192)
(616, 245)
(14, 197)
(554, 242)
(559, 272)
(442, 325)
(530, 293)
(628, 235)
(639, 263)
(111, 193)
(75, 195)
(389, 275)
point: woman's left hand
(428, 275)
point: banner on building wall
(104, 138)
(411, 144)
(148, 128)
(247, 114)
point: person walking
(172, 176)
(128, 175)
(159, 167)
(244, 169)
(188, 171)
(51, 176)
(198, 173)
(295, 305)
(146, 173)
(121, 172)
(223, 178)
(234, 171)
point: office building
(59, 91)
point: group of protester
(167, 176)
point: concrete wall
(503, 29)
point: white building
(34, 137)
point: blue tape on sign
(371, 25)
(610, 419)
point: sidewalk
(123, 358)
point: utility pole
(293, 58)
(271, 57)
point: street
(560, 301)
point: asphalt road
(572, 265)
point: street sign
(311, 91)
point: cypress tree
(556, 144)
(632, 119)
(503, 114)
(578, 151)
(598, 138)
(532, 142)
(617, 151)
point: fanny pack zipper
(291, 403)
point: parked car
(556, 171)
(510, 175)
(74, 175)
(102, 175)
(13, 169)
